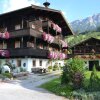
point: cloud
(9, 5)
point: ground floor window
(24, 64)
(34, 63)
(40, 62)
(92, 64)
(19, 63)
(1, 46)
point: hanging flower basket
(56, 27)
(47, 37)
(64, 44)
(98, 56)
(56, 55)
(5, 35)
(87, 56)
(4, 53)
(84, 56)
(92, 56)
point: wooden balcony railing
(51, 25)
(25, 32)
(46, 24)
(28, 52)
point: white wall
(29, 63)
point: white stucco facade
(27, 63)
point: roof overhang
(55, 15)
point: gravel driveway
(26, 88)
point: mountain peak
(90, 23)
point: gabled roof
(86, 40)
(54, 14)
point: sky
(72, 9)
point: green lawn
(55, 86)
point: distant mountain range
(87, 24)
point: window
(33, 26)
(30, 44)
(34, 63)
(24, 64)
(4, 45)
(59, 64)
(17, 44)
(17, 27)
(40, 62)
(12, 61)
(40, 46)
(1, 46)
(19, 63)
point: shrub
(6, 71)
(78, 80)
(50, 68)
(94, 84)
(55, 67)
(7, 75)
(83, 95)
(22, 69)
(73, 71)
(65, 78)
(61, 67)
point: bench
(39, 70)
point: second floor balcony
(28, 52)
(25, 32)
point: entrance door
(92, 63)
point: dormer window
(17, 27)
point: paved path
(27, 89)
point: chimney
(46, 4)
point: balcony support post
(22, 42)
(22, 23)
(35, 42)
(3, 45)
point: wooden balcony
(28, 52)
(78, 52)
(25, 32)
(90, 49)
(46, 24)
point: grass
(56, 87)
